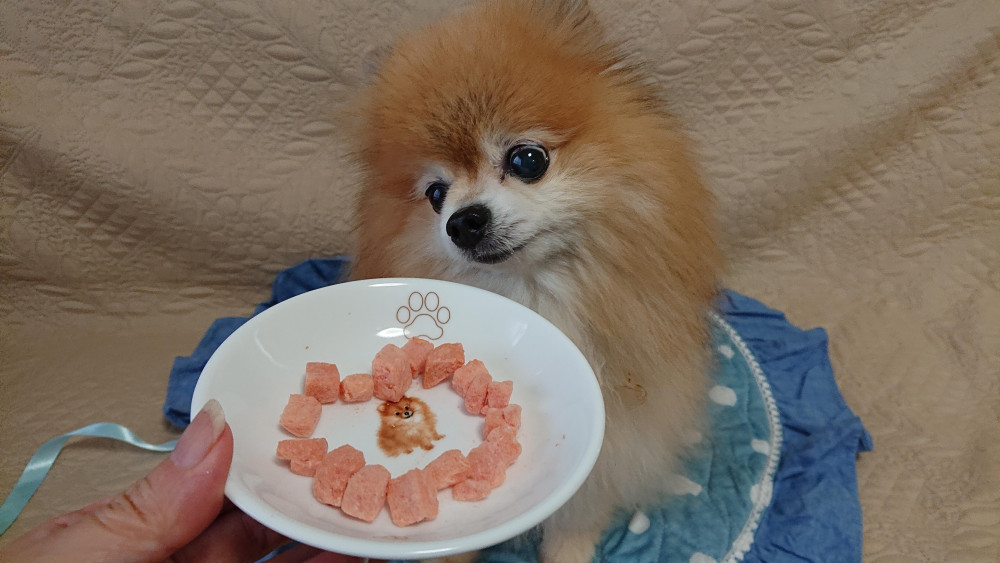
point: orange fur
(624, 259)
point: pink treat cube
(447, 469)
(412, 498)
(442, 363)
(494, 419)
(417, 350)
(305, 468)
(305, 454)
(471, 490)
(505, 438)
(507, 416)
(475, 393)
(322, 382)
(487, 462)
(308, 448)
(498, 394)
(391, 373)
(465, 374)
(334, 472)
(357, 388)
(365, 494)
(301, 415)
(512, 415)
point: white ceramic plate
(254, 370)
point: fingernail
(200, 435)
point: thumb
(157, 514)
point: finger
(233, 537)
(308, 554)
(62, 521)
(155, 516)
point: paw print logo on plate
(423, 316)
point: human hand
(177, 512)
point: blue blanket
(774, 480)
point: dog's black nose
(468, 225)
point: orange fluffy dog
(406, 425)
(513, 149)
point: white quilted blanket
(161, 160)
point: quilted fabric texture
(161, 160)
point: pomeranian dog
(512, 148)
(406, 425)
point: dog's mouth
(494, 253)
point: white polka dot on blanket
(692, 437)
(760, 446)
(722, 395)
(681, 485)
(639, 523)
(699, 557)
(726, 351)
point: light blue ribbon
(40, 463)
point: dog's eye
(435, 194)
(527, 162)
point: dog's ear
(383, 408)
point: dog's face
(512, 206)
(406, 411)
(488, 139)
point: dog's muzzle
(471, 229)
